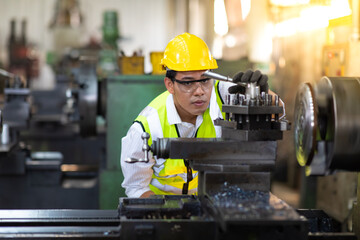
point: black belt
(189, 177)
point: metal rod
(6, 73)
(222, 78)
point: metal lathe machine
(234, 199)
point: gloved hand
(248, 77)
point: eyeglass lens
(192, 86)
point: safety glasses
(192, 85)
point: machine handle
(145, 148)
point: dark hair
(171, 74)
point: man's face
(191, 98)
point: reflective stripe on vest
(170, 175)
(219, 100)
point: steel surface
(305, 124)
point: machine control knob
(146, 148)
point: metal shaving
(238, 203)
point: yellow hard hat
(187, 52)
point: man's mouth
(199, 103)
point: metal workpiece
(252, 91)
(285, 125)
(327, 125)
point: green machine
(126, 95)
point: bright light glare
(285, 3)
(217, 51)
(268, 44)
(282, 62)
(220, 20)
(339, 8)
(245, 8)
(312, 18)
(286, 28)
(230, 41)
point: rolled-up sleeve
(137, 176)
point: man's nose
(199, 89)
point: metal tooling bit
(221, 78)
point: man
(187, 109)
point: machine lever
(223, 78)
(146, 148)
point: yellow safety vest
(170, 175)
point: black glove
(248, 77)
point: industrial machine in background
(327, 134)
(46, 175)
(53, 143)
(68, 124)
(15, 106)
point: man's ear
(169, 85)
